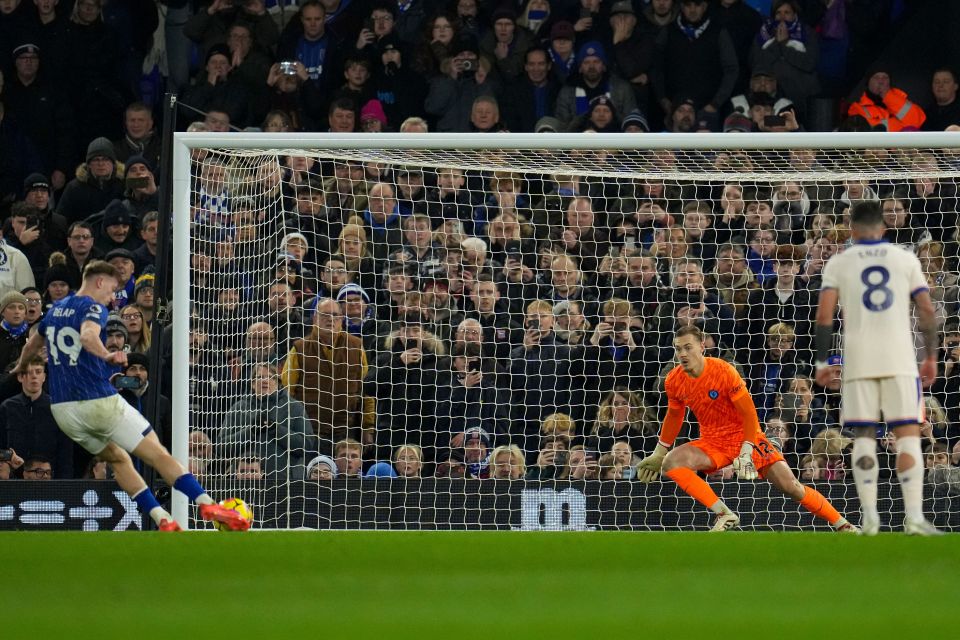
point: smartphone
(585, 12)
(368, 24)
(138, 183)
(6, 455)
(533, 324)
(774, 121)
(473, 364)
(32, 221)
(126, 382)
(560, 460)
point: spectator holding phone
(552, 460)
(141, 190)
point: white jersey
(876, 282)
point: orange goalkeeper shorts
(722, 454)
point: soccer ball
(238, 505)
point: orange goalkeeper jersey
(710, 397)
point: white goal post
(640, 189)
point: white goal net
(473, 331)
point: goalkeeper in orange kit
(729, 434)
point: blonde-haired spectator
(507, 463)
(408, 461)
(623, 416)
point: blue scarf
(566, 66)
(583, 102)
(15, 331)
(692, 31)
(374, 225)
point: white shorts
(95, 423)
(896, 400)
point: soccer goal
(471, 331)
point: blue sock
(188, 485)
(146, 501)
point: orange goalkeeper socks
(693, 485)
(814, 502)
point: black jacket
(27, 426)
(518, 103)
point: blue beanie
(592, 48)
(381, 470)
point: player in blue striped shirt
(91, 412)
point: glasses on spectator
(238, 36)
(34, 301)
(131, 316)
(43, 473)
(336, 269)
(386, 18)
(82, 237)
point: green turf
(479, 585)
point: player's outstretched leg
(866, 474)
(910, 472)
(681, 466)
(156, 455)
(780, 475)
(131, 482)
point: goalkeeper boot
(869, 526)
(725, 522)
(227, 517)
(168, 525)
(920, 528)
(842, 526)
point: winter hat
(57, 273)
(101, 147)
(115, 213)
(637, 118)
(12, 297)
(503, 12)
(591, 49)
(146, 281)
(381, 470)
(737, 122)
(120, 253)
(548, 124)
(217, 49)
(24, 49)
(138, 358)
(351, 288)
(36, 181)
(562, 30)
(466, 42)
(115, 325)
(324, 460)
(139, 159)
(476, 432)
(373, 110)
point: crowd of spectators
(357, 318)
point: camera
(468, 68)
(127, 382)
(288, 68)
(6, 455)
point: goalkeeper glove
(648, 469)
(743, 463)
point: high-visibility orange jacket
(895, 113)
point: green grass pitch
(743, 586)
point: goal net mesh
(478, 338)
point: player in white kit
(874, 282)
